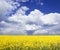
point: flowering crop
(29, 42)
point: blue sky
(47, 7)
(30, 17)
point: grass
(29, 42)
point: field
(29, 42)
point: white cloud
(22, 20)
(23, 23)
(35, 15)
(6, 7)
(52, 18)
(38, 19)
(22, 0)
(11, 28)
(20, 15)
(41, 32)
(41, 3)
(22, 10)
(31, 27)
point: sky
(30, 17)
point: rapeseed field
(29, 42)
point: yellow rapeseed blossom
(29, 42)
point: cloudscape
(30, 17)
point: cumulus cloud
(20, 23)
(52, 18)
(31, 27)
(23, 20)
(11, 28)
(36, 20)
(32, 17)
(33, 22)
(41, 32)
(6, 7)
(20, 15)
